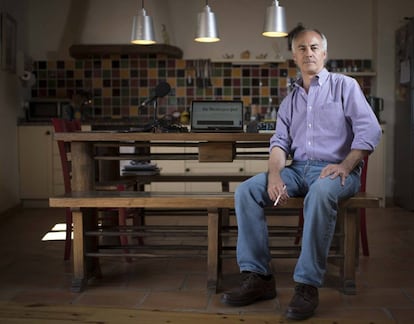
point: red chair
(62, 125)
(362, 215)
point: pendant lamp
(142, 28)
(275, 21)
(207, 31)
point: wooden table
(85, 150)
(212, 147)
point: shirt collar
(321, 77)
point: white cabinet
(192, 167)
(168, 166)
(39, 163)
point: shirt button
(310, 125)
(310, 107)
(309, 143)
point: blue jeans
(319, 212)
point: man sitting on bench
(327, 126)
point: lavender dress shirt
(327, 122)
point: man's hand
(275, 188)
(335, 170)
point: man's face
(308, 53)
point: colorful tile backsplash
(119, 84)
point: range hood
(83, 51)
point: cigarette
(278, 197)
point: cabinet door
(259, 163)
(35, 162)
(168, 167)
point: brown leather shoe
(303, 303)
(253, 288)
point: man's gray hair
(323, 37)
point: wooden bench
(85, 250)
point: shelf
(248, 61)
(359, 73)
(83, 51)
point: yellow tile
(180, 64)
(264, 91)
(246, 101)
(97, 83)
(292, 72)
(133, 110)
(143, 92)
(106, 64)
(236, 72)
(180, 92)
(172, 82)
(217, 82)
(124, 73)
(152, 73)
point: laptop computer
(217, 116)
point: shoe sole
(297, 316)
(248, 302)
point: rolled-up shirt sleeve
(367, 131)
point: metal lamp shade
(275, 21)
(142, 29)
(206, 27)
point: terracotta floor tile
(403, 315)
(111, 298)
(56, 297)
(262, 306)
(33, 271)
(378, 297)
(176, 301)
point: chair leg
(68, 238)
(364, 235)
(300, 227)
(122, 214)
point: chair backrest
(63, 125)
(364, 175)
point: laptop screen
(217, 116)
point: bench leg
(350, 250)
(84, 267)
(214, 246)
(79, 269)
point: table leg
(83, 177)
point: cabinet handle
(241, 169)
(47, 133)
(187, 170)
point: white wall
(241, 21)
(240, 25)
(9, 111)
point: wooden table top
(100, 136)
